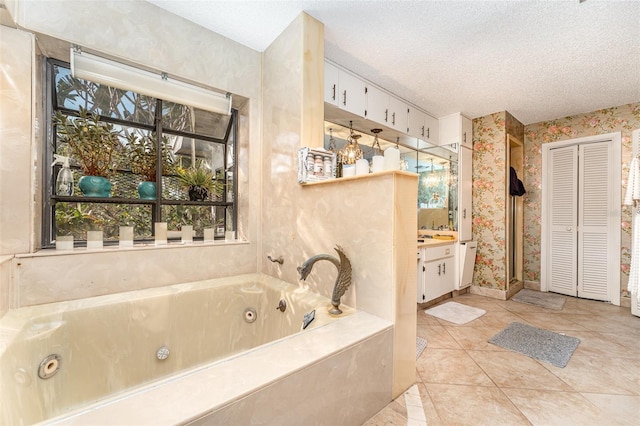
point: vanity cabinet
(423, 126)
(436, 272)
(344, 90)
(456, 129)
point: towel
(516, 187)
(632, 196)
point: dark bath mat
(537, 343)
(539, 298)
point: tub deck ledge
(188, 397)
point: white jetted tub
(131, 357)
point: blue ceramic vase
(147, 190)
(95, 186)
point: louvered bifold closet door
(562, 271)
(595, 203)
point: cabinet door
(447, 279)
(450, 128)
(352, 97)
(467, 133)
(431, 130)
(377, 105)
(398, 114)
(422, 297)
(464, 193)
(439, 278)
(432, 279)
(416, 124)
(331, 74)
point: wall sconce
(104, 71)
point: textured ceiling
(538, 60)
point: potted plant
(200, 182)
(95, 146)
(142, 156)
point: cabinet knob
(439, 268)
(386, 115)
(334, 92)
(464, 137)
(428, 133)
(464, 213)
(444, 268)
(422, 130)
(344, 98)
(393, 118)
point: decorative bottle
(64, 181)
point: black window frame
(49, 173)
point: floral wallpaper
(622, 119)
(489, 196)
(489, 180)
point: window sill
(137, 247)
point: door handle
(465, 137)
(344, 98)
(427, 133)
(422, 130)
(393, 118)
(464, 213)
(334, 92)
(439, 268)
(386, 115)
(444, 268)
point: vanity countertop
(435, 243)
(428, 237)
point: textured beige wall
(16, 124)
(372, 218)
(153, 38)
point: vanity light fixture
(332, 142)
(115, 74)
(431, 180)
(351, 152)
(376, 144)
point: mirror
(437, 167)
(438, 188)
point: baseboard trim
(494, 293)
(532, 285)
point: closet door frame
(613, 282)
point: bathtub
(195, 352)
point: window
(174, 139)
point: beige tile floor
(463, 380)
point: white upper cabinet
(456, 128)
(331, 75)
(377, 105)
(344, 90)
(467, 132)
(347, 92)
(423, 126)
(398, 114)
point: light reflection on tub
(108, 344)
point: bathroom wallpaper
(489, 155)
(489, 183)
(489, 197)
(624, 119)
